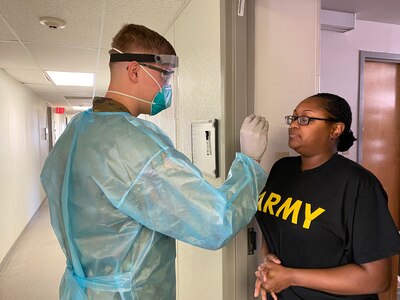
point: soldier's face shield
(168, 63)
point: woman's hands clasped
(271, 277)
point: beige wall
(287, 39)
(287, 55)
(199, 271)
(22, 152)
(196, 96)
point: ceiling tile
(28, 76)
(14, 56)
(76, 91)
(83, 20)
(155, 14)
(57, 58)
(49, 93)
(5, 33)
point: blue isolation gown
(120, 194)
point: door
(380, 135)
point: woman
(324, 218)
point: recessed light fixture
(52, 22)
(80, 108)
(71, 78)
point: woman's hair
(340, 110)
(134, 38)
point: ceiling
(28, 49)
(382, 11)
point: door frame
(368, 56)
(50, 126)
(364, 57)
(237, 52)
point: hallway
(36, 265)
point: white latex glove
(254, 136)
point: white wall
(286, 64)
(199, 271)
(340, 60)
(22, 152)
(196, 96)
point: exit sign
(60, 110)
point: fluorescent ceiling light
(80, 108)
(71, 78)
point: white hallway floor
(35, 268)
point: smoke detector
(52, 22)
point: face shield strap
(163, 59)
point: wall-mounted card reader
(205, 146)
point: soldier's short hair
(133, 38)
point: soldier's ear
(133, 69)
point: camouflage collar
(102, 104)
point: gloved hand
(254, 136)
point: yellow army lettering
(287, 208)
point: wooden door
(381, 138)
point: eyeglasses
(165, 74)
(304, 120)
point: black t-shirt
(329, 216)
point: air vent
(337, 21)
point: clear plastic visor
(166, 72)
